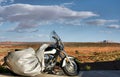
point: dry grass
(94, 54)
(85, 52)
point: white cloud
(69, 4)
(31, 16)
(2, 38)
(2, 1)
(100, 21)
(1, 21)
(114, 26)
(70, 22)
(42, 36)
(35, 37)
(6, 1)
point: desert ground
(84, 52)
(91, 56)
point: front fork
(66, 59)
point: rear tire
(71, 70)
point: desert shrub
(96, 53)
(117, 59)
(77, 52)
(87, 67)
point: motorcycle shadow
(107, 65)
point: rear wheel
(71, 69)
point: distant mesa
(107, 41)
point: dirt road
(113, 73)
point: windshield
(57, 39)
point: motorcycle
(27, 62)
(56, 50)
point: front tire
(71, 70)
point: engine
(48, 58)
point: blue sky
(73, 20)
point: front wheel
(71, 70)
